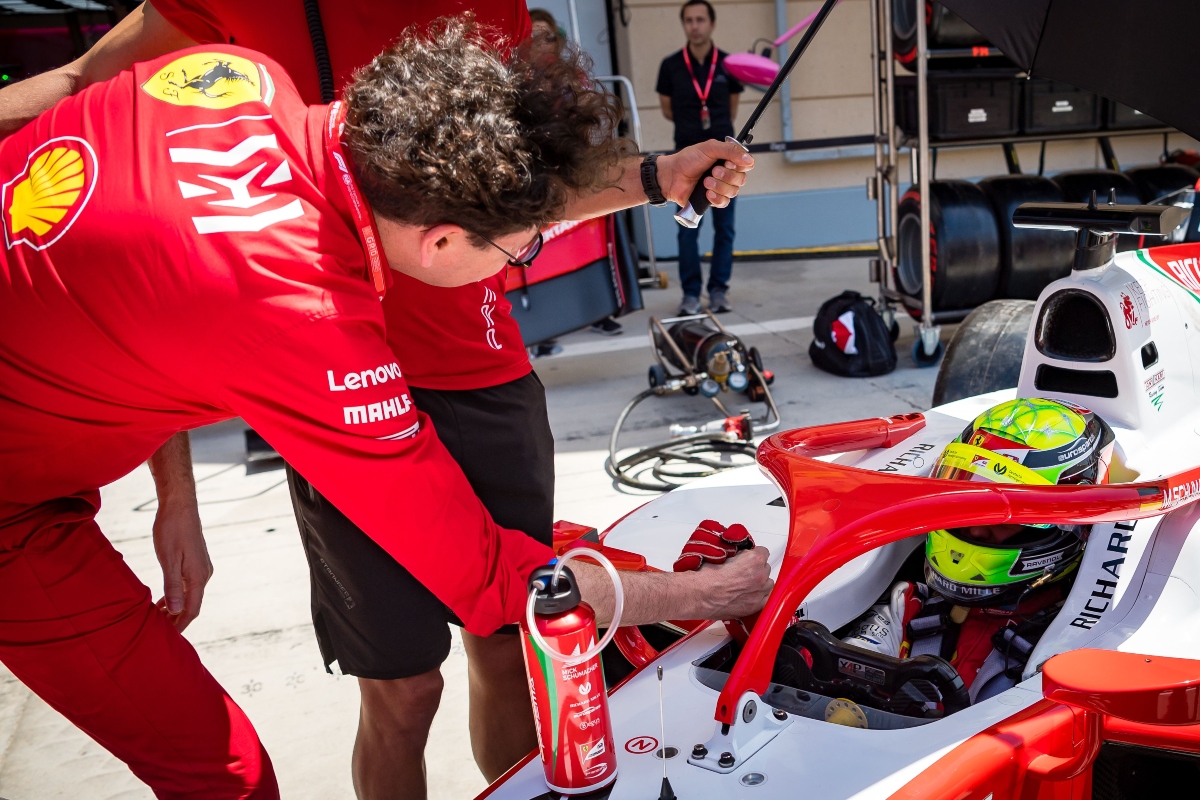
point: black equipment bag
(851, 339)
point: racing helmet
(1028, 441)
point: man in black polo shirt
(701, 98)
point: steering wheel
(811, 658)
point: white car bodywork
(1137, 588)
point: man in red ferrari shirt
(463, 359)
(182, 245)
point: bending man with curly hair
(189, 242)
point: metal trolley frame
(883, 187)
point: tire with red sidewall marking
(945, 28)
(964, 246)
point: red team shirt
(177, 252)
(451, 338)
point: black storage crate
(1118, 116)
(962, 106)
(1055, 107)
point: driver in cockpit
(991, 591)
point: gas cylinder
(566, 681)
(720, 355)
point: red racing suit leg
(79, 629)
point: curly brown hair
(443, 128)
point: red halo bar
(838, 513)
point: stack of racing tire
(976, 254)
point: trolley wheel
(755, 358)
(923, 360)
(657, 376)
(662, 280)
(894, 330)
(756, 390)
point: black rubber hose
(316, 32)
(670, 463)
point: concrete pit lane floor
(254, 632)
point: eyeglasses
(524, 256)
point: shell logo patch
(42, 202)
(211, 80)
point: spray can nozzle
(546, 587)
(554, 595)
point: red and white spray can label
(570, 705)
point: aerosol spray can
(566, 681)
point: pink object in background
(751, 68)
(760, 70)
(799, 26)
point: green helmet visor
(967, 462)
(970, 572)
(970, 463)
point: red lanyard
(703, 95)
(368, 234)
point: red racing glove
(712, 543)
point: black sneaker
(543, 349)
(608, 327)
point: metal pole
(573, 22)
(650, 245)
(923, 177)
(889, 69)
(884, 173)
(1110, 158)
(785, 100)
(635, 122)
(785, 105)
(877, 121)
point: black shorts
(370, 614)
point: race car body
(843, 508)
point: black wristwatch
(650, 180)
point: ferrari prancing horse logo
(46, 198)
(210, 80)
